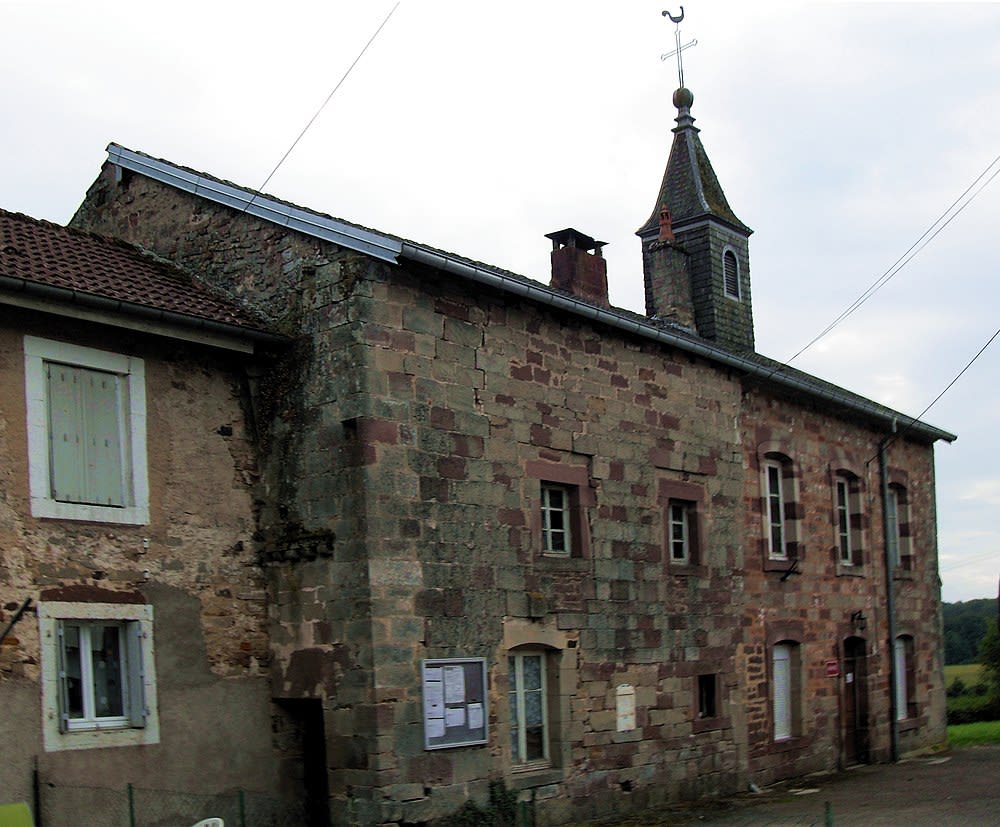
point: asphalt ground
(950, 789)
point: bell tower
(695, 251)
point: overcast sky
(839, 132)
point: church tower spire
(696, 259)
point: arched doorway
(856, 742)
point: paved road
(956, 789)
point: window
(785, 689)
(779, 509)
(559, 496)
(529, 724)
(731, 274)
(86, 412)
(848, 518)
(98, 688)
(556, 532)
(682, 525)
(906, 697)
(707, 696)
(682, 530)
(898, 526)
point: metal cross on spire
(680, 49)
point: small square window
(86, 413)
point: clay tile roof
(42, 253)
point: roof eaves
(390, 249)
(220, 332)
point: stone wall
(195, 563)
(404, 441)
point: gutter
(536, 292)
(64, 295)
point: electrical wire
(913, 250)
(305, 129)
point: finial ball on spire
(683, 98)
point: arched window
(786, 689)
(731, 274)
(906, 682)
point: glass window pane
(532, 665)
(106, 664)
(71, 663)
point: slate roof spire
(690, 188)
(697, 266)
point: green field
(968, 672)
(964, 735)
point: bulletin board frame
(455, 702)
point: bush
(970, 709)
(957, 688)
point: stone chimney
(578, 266)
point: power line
(305, 129)
(911, 252)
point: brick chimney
(578, 266)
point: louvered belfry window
(731, 274)
(86, 417)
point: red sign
(832, 668)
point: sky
(840, 132)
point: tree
(989, 655)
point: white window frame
(843, 507)
(516, 691)
(38, 353)
(775, 521)
(680, 514)
(549, 534)
(140, 722)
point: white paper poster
(454, 716)
(475, 716)
(454, 684)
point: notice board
(454, 692)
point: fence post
(131, 806)
(829, 814)
(36, 793)
(243, 808)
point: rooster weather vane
(680, 49)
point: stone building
(511, 533)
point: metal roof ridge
(377, 245)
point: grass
(964, 735)
(968, 672)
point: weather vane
(679, 50)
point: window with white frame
(683, 531)
(557, 536)
(98, 686)
(848, 518)
(86, 414)
(775, 501)
(529, 720)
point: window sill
(687, 570)
(781, 564)
(908, 724)
(527, 776)
(903, 574)
(850, 570)
(556, 562)
(700, 725)
(55, 510)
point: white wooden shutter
(66, 438)
(63, 691)
(782, 690)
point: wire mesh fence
(131, 806)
